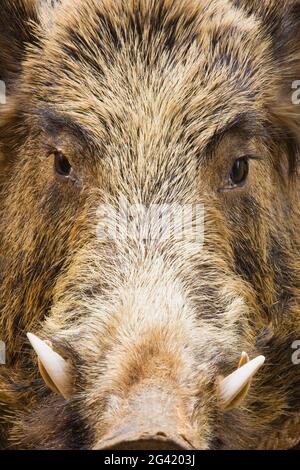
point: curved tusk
(244, 359)
(234, 388)
(53, 368)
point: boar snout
(144, 441)
(156, 412)
(153, 419)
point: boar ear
(280, 20)
(17, 31)
(22, 22)
(17, 20)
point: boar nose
(144, 441)
(152, 419)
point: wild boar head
(123, 120)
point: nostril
(163, 434)
(151, 421)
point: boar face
(181, 110)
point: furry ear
(280, 20)
(17, 20)
(22, 23)
(18, 30)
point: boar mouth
(139, 440)
(150, 420)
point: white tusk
(235, 383)
(53, 368)
(244, 359)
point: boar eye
(238, 174)
(62, 165)
(239, 171)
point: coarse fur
(151, 101)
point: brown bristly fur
(135, 94)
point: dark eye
(62, 165)
(239, 172)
